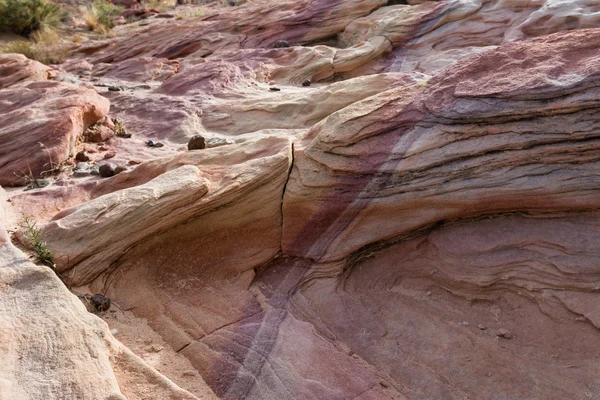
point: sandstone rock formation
(40, 120)
(54, 348)
(420, 222)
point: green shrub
(106, 11)
(26, 16)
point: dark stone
(151, 143)
(100, 302)
(107, 170)
(197, 142)
(274, 89)
(82, 156)
(307, 82)
(115, 89)
(281, 44)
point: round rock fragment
(120, 168)
(281, 44)
(107, 170)
(100, 302)
(197, 142)
(504, 333)
(82, 156)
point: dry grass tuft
(99, 16)
(160, 5)
(44, 46)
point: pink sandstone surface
(417, 221)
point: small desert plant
(99, 15)
(24, 47)
(44, 46)
(120, 129)
(35, 237)
(24, 17)
(160, 5)
(190, 14)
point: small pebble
(156, 348)
(38, 184)
(83, 165)
(110, 154)
(82, 156)
(217, 142)
(100, 302)
(107, 170)
(120, 168)
(95, 170)
(115, 89)
(464, 323)
(80, 173)
(281, 44)
(134, 162)
(114, 331)
(428, 294)
(197, 142)
(190, 372)
(307, 82)
(384, 384)
(482, 327)
(274, 89)
(504, 333)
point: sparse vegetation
(160, 5)
(120, 129)
(190, 14)
(35, 237)
(24, 17)
(99, 15)
(44, 46)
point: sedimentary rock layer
(40, 124)
(492, 134)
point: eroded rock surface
(420, 222)
(40, 124)
(54, 348)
